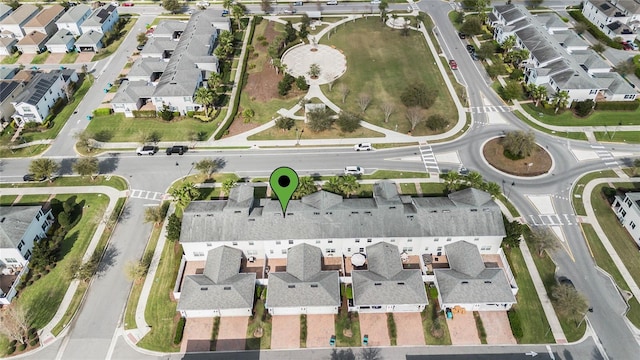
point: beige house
(17, 19)
(33, 43)
(45, 21)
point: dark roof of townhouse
(14, 221)
(323, 215)
(37, 88)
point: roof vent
(377, 284)
(3, 219)
(204, 288)
(487, 282)
(314, 285)
(465, 282)
(291, 286)
(227, 288)
(400, 283)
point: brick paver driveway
(375, 325)
(232, 333)
(197, 335)
(462, 329)
(319, 330)
(496, 324)
(85, 57)
(409, 328)
(285, 332)
(54, 58)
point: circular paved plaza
(332, 62)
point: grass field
(597, 118)
(22, 152)
(568, 135)
(6, 200)
(69, 58)
(114, 181)
(381, 62)
(631, 137)
(578, 188)
(40, 58)
(33, 199)
(105, 52)
(274, 133)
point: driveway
(26, 59)
(285, 332)
(232, 333)
(375, 325)
(197, 335)
(462, 329)
(319, 330)
(409, 328)
(497, 327)
(85, 57)
(54, 58)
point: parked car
(375, 2)
(128, 4)
(462, 35)
(563, 280)
(471, 49)
(474, 57)
(177, 149)
(146, 150)
(140, 47)
(453, 65)
(353, 170)
(225, 12)
(32, 177)
(363, 146)
(298, 3)
(633, 45)
(332, 2)
(463, 171)
(626, 46)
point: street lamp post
(298, 135)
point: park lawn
(381, 62)
(529, 309)
(117, 128)
(106, 52)
(69, 58)
(433, 189)
(23, 152)
(7, 200)
(578, 188)
(33, 199)
(631, 137)
(43, 297)
(604, 261)
(408, 189)
(11, 59)
(40, 58)
(63, 116)
(114, 181)
(597, 118)
(160, 313)
(568, 135)
(274, 133)
(393, 174)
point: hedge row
(597, 33)
(516, 326)
(179, 331)
(617, 105)
(144, 113)
(636, 61)
(102, 111)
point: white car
(146, 150)
(353, 170)
(202, 4)
(363, 146)
(332, 2)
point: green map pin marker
(284, 181)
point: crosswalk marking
(147, 195)
(553, 219)
(488, 109)
(429, 158)
(605, 155)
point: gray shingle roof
(167, 28)
(336, 218)
(61, 37)
(386, 282)
(303, 284)
(132, 91)
(220, 286)
(100, 15)
(463, 284)
(89, 38)
(14, 221)
(75, 13)
(37, 88)
(20, 15)
(147, 66)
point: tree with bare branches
(543, 240)
(415, 115)
(14, 323)
(388, 108)
(344, 91)
(364, 100)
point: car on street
(626, 46)
(453, 65)
(563, 280)
(225, 12)
(332, 2)
(177, 149)
(462, 35)
(474, 57)
(471, 49)
(376, 2)
(353, 170)
(290, 11)
(298, 3)
(202, 4)
(363, 146)
(32, 177)
(128, 4)
(463, 171)
(146, 150)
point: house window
(27, 255)
(271, 251)
(361, 250)
(252, 252)
(624, 213)
(284, 251)
(407, 249)
(278, 242)
(22, 244)
(629, 97)
(485, 248)
(357, 241)
(632, 224)
(409, 240)
(628, 202)
(348, 250)
(476, 239)
(317, 241)
(426, 248)
(250, 243)
(448, 239)
(38, 216)
(10, 260)
(198, 253)
(290, 242)
(234, 243)
(186, 99)
(330, 241)
(369, 240)
(436, 240)
(330, 251)
(209, 244)
(593, 92)
(44, 227)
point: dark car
(177, 149)
(32, 177)
(462, 35)
(140, 47)
(471, 49)
(563, 280)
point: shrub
(21, 347)
(301, 83)
(179, 331)
(516, 326)
(516, 74)
(34, 342)
(191, 113)
(433, 292)
(144, 113)
(102, 111)
(285, 123)
(583, 108)
(437, 122)
(609, 192)
(418, 94)
(617, 105)
(348, 122)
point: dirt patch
(263, 85)
(238, 126)
(537, 164)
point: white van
(353, 170)
(332, 2)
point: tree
(415, 115)
(569, 302)
(560, 99)
(437, 122)
(207, 166)
(519, 144)
(68, 89)
(536, 92)
(205, 97)
(266, 6)
(285, 123)
(306, 186)
(475, 5)
(343, 185)
(87, 166)
(451, 180)
(248, 115)
(320, 119)
(227, 185)
(383, 6)
(508, 43)
(84, 140)
(137, 270)
(492, 188)
(290, 32)
(43, 168)
(486, 50)
(584, 108)
(580, 28)
(364, 100)
(636, 166)
(172, 6)
(227, 4)
(625, 67)
(472, 25)
(388, 108)
(314, 71)
(418, 94)
(174, 226)
(598, 47)
(15, 323)
(348, 122)
(474, 179)
(512, 90)
(513, 230)
(184, 193)
(237, 11)
(344, 91)
(301, 83)
(75, 269)
(543, 240)
(141, 38)
(225, 45)
(154, 215)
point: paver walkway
(232, 333)
(462, 329)
(375, 325)
(197, 335)
(497, 327)
(319, 330)
(285, 332)
(409, 328)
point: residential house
(147, 69)
(5, 10)
(17, 19)
(220, 290)
(45, 21)
(164, 40)
(101, 19)
(9, 90)
(73, 18)
(39, 96)
(20, 228)
(385, 286)
(7, 73)
(469, 284)
(8, 45)
(131, 96)
(61, 42)
(90, 40)
(627, 210)
(32, 43)
(615, 18)
(304, 288)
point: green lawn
(161, 312)
(578, 188)
(408, 189)
(43, 297)
(381, 62)
(393, 174)
(598, 118)
(117, 128)
(106, 52)
(274, 133)
(534, 324)
(345, 320)
(568, 135)
(69, 58)
(114, 181)
(631, 137)
(12, 59)
(260, 320)
(433, 189)
(22, 152)
(6, 200)
(40, 58)
(428, 315)
(33, 199)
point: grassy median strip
(116, 182)
(578, 188)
